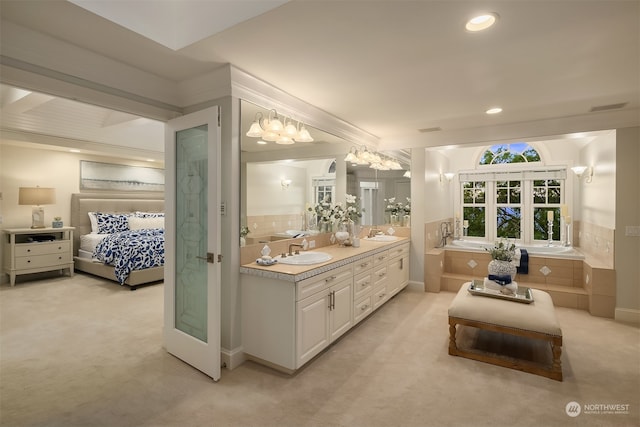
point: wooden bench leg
(557, 364)
(452, 337)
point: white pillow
(94, 222)
(137, 223)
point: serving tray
(522, 295)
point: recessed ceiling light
(73, 150)
(481, 22)
(494, 110)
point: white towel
(509, 289)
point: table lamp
(36, 196)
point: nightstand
(34, 250)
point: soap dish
(266, 262)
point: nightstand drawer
(37, 261)
(30, 249)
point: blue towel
(500, 279)
(524, 262)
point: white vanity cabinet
(289, 319)
(397, 269)
(324, 316)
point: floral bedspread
(131, 250)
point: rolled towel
(509, 289)
(516, 257)
(500, 279)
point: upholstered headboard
(82, 203)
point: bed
(81, 205)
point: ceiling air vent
(425, 130)
(608, 107)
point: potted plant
(502, 254)
(57, 222)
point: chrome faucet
(373, 231)
(445, 232)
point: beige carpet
(84, 352)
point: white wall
(438, 195)
(627, 248)
(265, 194)
(598, 198)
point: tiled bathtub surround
(572, 283)
(596, 242)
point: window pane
(541, 226)
(554, 195)
(467, 196)
(475, 216)
(539, 183)
(508, 222)
(539, 195)
(514, 195)
(501, 195)
(480, 193)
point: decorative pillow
(109, 223)
(149, 214)
(141, 223)
(94, 222)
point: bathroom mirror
(280, 181)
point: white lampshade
(284, 140)
(33, 196)
(255, 130)
(275, 125)
(303, 135)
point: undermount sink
(383, 238)
(305, 258)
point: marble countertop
(340, 256)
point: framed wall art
(115, 177)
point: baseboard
(231, 359)
(416, 286)
(627, 315)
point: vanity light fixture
(481, 22)
(373, 159)
(272, 129)
(584, 170)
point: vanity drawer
(362, 308)
(310, 286)
(379, 297)
(379, 277)
(380, 258)
(362, 284)
(29, 249)
(399, 251)
(362, 265)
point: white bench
(531, 321)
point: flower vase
(243, 242)
(344, 233)
(406, 220)
(502, 268)
(394, 219)
(325, 227)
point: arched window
(513, 202)
(518, 152)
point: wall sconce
(285, 183)
(447, 175)
(36, 196)
(407, 174)
(584, 170)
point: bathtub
(535, 250)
